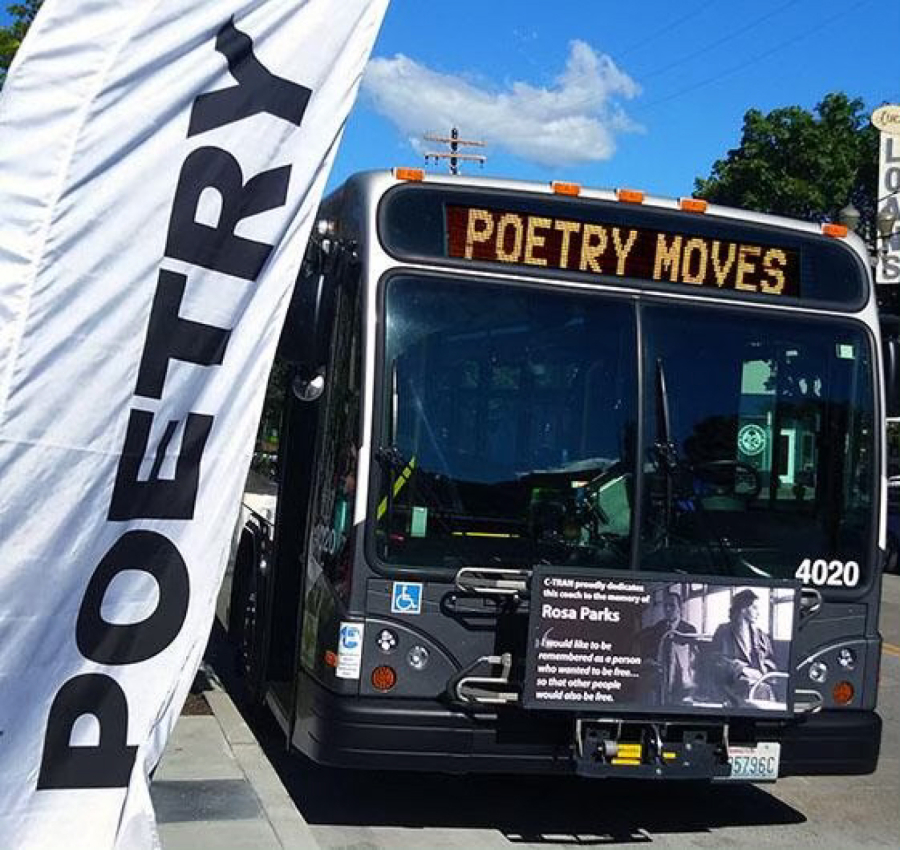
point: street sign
(887, 120)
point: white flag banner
(160, 167)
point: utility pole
(453, 141)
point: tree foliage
(796, 163)
(11, 36)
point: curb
(289, 826)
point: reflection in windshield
(770, 426)
(506, 435)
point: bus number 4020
(823, 573)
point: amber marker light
(838, 231)
(694, 205)
(416, 175)
(384, 678)
(842, 693)
(630, 196)
(571, 189)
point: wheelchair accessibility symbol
(406, 598)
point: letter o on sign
(111, 643)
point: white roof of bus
(379, 181)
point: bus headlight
(818, 672)
(387, 641)
(417, 658)
(847, 658)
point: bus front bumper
(381, 733)
(838, 742)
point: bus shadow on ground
(525, 809)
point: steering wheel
(725, 472)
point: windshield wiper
(675, 467)
(390, 457)
(666, 452)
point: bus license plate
(754, 764)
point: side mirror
(327, 267)
(307, 326)
(308, 387)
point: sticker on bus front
(406, 597)
(661, 644)
(350, 643)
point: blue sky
(639, 94)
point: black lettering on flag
(131, 643)
(169, 337)
(218, 247)
(159, 498)
(106, 765)
(109, 762)
(258, 89)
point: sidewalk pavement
(214, 786)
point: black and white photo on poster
(717, 646)
(652, 645)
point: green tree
(11, 36)
(796, 163)
(270, 421)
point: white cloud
(576, 120)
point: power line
(720, 41)
(665, 29)
(752, 60)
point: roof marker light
(630, 196)
(416, 175)
(694, 205)
(838, 231)
(560, 188)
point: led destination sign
(598, 248)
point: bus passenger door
(324, 560)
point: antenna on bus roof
(453, 141)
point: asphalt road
(371, 811)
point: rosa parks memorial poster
(618, 642)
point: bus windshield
(509, 429)
(760, 443)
